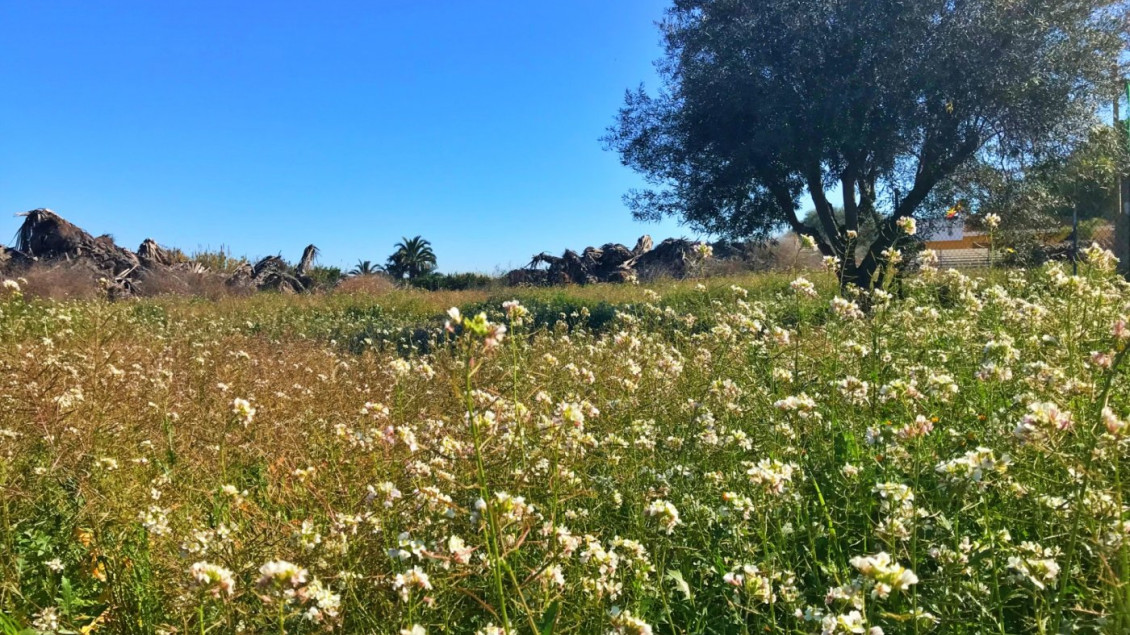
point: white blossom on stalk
(803, 287)
(887, 574)
(243, 410)
(46, 620)
(624, 623)
(1042, 417)
(846, 309)
(414, 578)
(665, 513)
(908, 225)
(212, 579)
(1036, 564)
(280, 575)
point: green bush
(452, 281)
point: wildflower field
(750, 455)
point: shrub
(452, 281)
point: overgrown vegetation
(745, 455)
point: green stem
(493, 549)
(992, 549)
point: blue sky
(266, 126)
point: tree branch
(824, 210)
(851, 209)
(785, 202)
(929, 174)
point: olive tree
(871, 102)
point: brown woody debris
(46, 239)
(613, 262)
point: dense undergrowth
(745, 455)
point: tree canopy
(364, 268)
(878, 100)
(1048, 191)
(413, 257)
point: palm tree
(413, 257)
(364, 268)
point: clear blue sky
(264, 126)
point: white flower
(460, 552)
(326, 603)
(928, 259)
(919, 428)
(665, 513)
(847, 623)
(280, 574)
(887, 574)
(413, 578)
(891, 255)
(47, 620)
(624, 623)
(1042, 417)
(553, 576)
(155, 520)
(803, 287)
(243, 410)
(1036, 564)
(846, 309)
(973, 465)
(515, 312)
(1114, 425)
(771, 474)
(908, 225)
(212, 579)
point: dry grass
(207, 285)
(62, 282)
(372, 284)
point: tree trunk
(863, 273)
(1122, 227)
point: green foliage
(452, 281)
(1049, 191)
(220, 260)
(764, 100)
(364, 268)
(413, 257)
(561, 311)
(325, 277)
